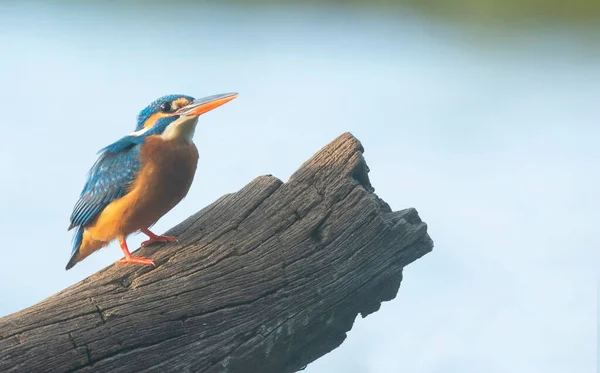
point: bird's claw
(133, 260)
(161, 239)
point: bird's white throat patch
(181, 129)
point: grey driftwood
(263, 280)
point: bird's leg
(155, 238)
(130, 259)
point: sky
(491, 136)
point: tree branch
(267, 279)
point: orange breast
(166, 174)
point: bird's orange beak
(203, 105)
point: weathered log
(267, 279)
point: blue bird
(139, 178)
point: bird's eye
(165, 107)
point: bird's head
(175, 116)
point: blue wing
(108, 179)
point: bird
(140, 177)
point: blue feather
(108, 179)
(77, 239)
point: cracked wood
(266, 279)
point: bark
(266, 279)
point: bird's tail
(77, 240)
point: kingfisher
(140, 177)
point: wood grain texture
(266, 279)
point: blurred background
(482, 114)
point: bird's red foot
(134, 260)
(130, 259)
(155, 238)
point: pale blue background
(491, 134)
